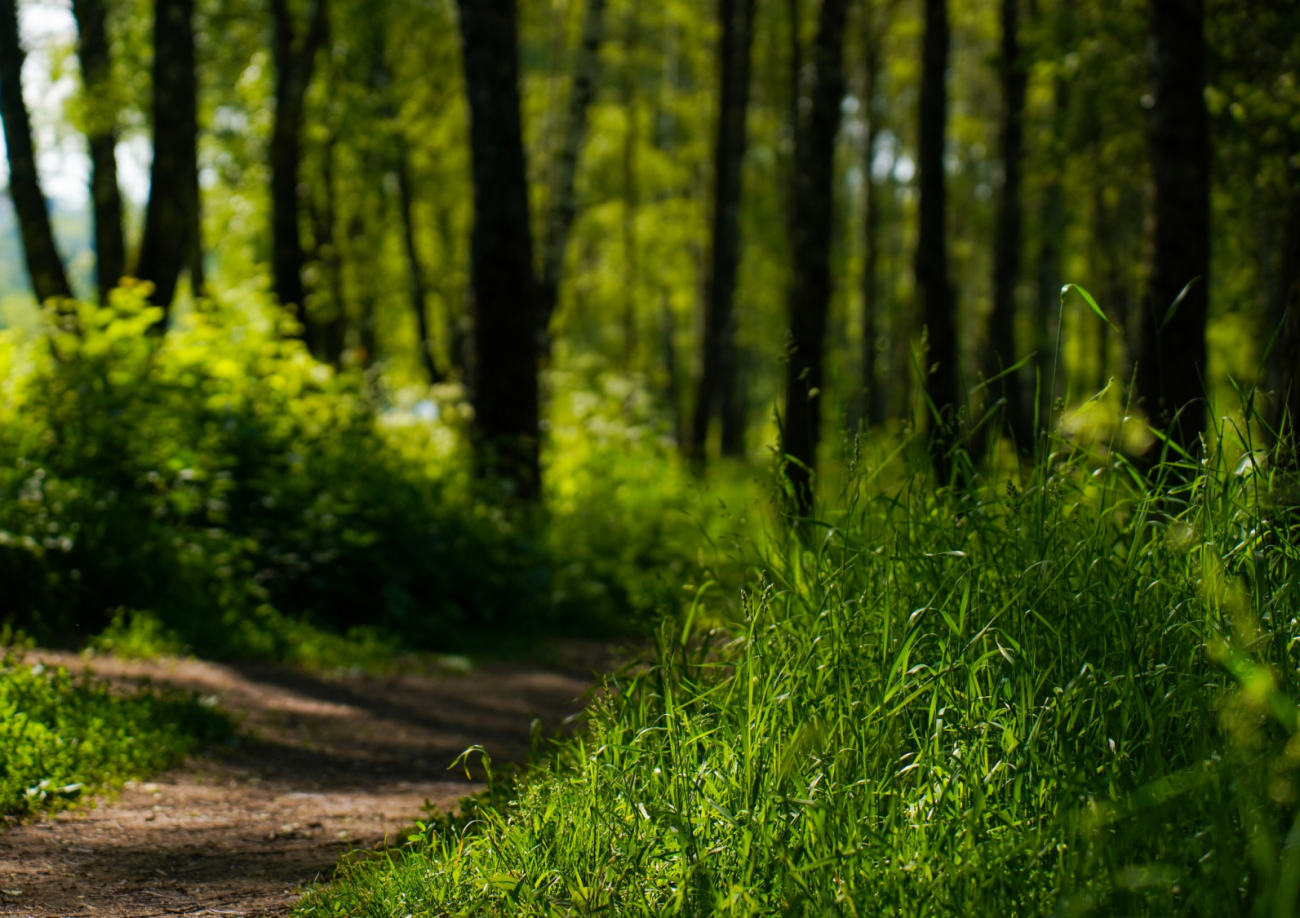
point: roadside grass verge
(64, 737)
(1065, 694)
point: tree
(43, 264)
(810, 231)
(171, 222)
(1287, 410)
(875, 25)
(1172, 362)
(931, 260)
(294, 62)
(406, 201)
(503, 375)
(1002, 353)
(718, 346)
(562, 204)
(101, 138)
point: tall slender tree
(1172, 363)
(931, 260)
(718, 346)
(562, 203)
(171, 216)
(503, 376)
(419, 304)
(101, 137)
(43, 264)
(1286, 369)
(295, 60)
(876, 19)
(1002, 352)
(1052, 217)
(810, 231)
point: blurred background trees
(768, 217)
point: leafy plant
(62, 737)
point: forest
(901, 394)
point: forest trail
(321, 766)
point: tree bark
(1286, 407)
(718, 345)
(171, 216)
(504, 369)
(419, 304)
(43, 264)
(294, 63)
(1172, 366)
(332, 332)
(810, 286)
(1051, 232)
(631, 197)
(874, 390)
(562, 205)
(1002, 352)
(931, 261)
(101, 138)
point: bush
(218, 477)
(1057, 696)
(62, 737)
(248, 500)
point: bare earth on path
(321, 766)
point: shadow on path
(322, 766)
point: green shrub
(1061, 695)
(234, 488)
(248, 500)
(61, 737)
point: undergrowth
(64, 737)
(217, 490)
(1062, 694)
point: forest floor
(321, 767)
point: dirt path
(322, 766)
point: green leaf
(1087, 297)
(1173, 307)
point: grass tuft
(1064, 693)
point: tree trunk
(718, 346)
(1051, 232)
(631, 198)
(1172, 366)
(419, 304)
(874, 389)
(331, 332)
(810, 286)
(294, 63)
(562, 205)
(931, 263)
(734, 400)
(170, 216)
(504, 370)
(1002, 351)
(101, 137)
(1286, 359)
(43, 264)
(794, 116)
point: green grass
(1062, 695)
(62, 737)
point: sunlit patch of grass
(64, 737)
(1056, 693)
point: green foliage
(1057, 694)
(134, 635)
(61, 737)
(246, 499)
(627, 523)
